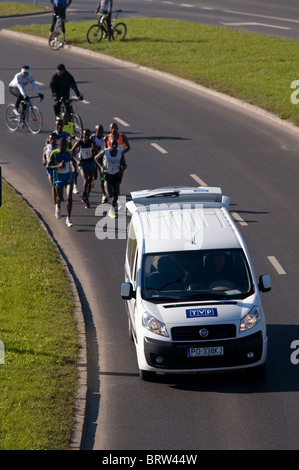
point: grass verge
(37, 326)
(255, 68)
(18, 8)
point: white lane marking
(253, 24)
(39, 83)
(157, 147)
(75, 98)
(120, 121)
(186, 5)
(198, 180)
(276, 265)
(238, 218)
(255, 15)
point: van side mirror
(264, 283)
(126, 291)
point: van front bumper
(238, 352)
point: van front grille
(203, 332)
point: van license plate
(209, 351)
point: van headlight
(152, 324)
(250, 320)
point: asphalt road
(271, 17)
(255, 161)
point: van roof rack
(205, 195)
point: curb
(36, 13)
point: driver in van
(218, 268)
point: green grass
(37, 326)
(16, 8)
(255, 68)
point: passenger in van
(162, 275)
(166, 275)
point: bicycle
(56, 38)
(30, 116)
(66, 107)
(100, 31)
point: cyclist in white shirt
(17, 86)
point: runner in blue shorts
(61, 162)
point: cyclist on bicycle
(61, 84)
(18, 84)
(59, 9)
(105, 8)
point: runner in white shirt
(18, 84)
(111, 162)
(98, 138)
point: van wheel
(147, 375)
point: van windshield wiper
(207, 296)
(157, 289)
(163, 298)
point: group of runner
(94, 154)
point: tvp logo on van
(201, 312)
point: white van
(191, 295)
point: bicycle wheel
(56, 39)
(78, 125)
(119, 32)
(12, 121)
(34, 120)
(94, 34)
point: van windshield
(195, 275)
